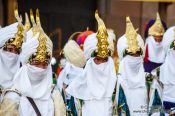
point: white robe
(132, 79)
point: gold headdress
(102, 37)
(131, 35)
(19, 36)
(41, 55)
(157, 28)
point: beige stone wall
(139, 12)
(171, 15)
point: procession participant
(32, 93)
(131, 75)
(97, 82)
(75, 61)
(82, 37)
(167, 75)
(154, 54)
(12, 38)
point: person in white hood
(75, 61)
(11, 40)
(32, 93)
(97, 82)
(167, 72)
(132, 95)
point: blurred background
(60, 18)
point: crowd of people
(89, 83)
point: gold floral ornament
(34, 26)
(157, 28)
(41, 55)
(102, 37)
(19, 36)
(131, 35)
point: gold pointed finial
(34, 28)
(27, 22)
(38, 18)
(41, 55)
(131, 35)
(19, 36)
(157, 28)
(102, 37)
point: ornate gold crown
(157, 28)
(41, 55)
(19, 36)
(102, 37)
(131, 35)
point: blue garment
(157, 104)
(122, 103)
(150, 66)
(168, 105)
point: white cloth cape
(96, 82)
(36, 83)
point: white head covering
(95, 82)
(122, 45)
(167, 73)
(155, 50)
(8, 32)
(131, 69)
(74, 54)
(9, 63)
(90, 44)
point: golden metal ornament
(131, 35)
(102, 37)
(19, 36)
(157, 28)
(41, 55)
(27, 22)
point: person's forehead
(10, 46)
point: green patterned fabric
(156, 105)
(149, 80)
(71, 107)
(122, 103)
(172, 45)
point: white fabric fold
(156, 52)
(131, 69)
(68, 74)
(34, 82)
(9, 64)
(96, 81)
(8, 32)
